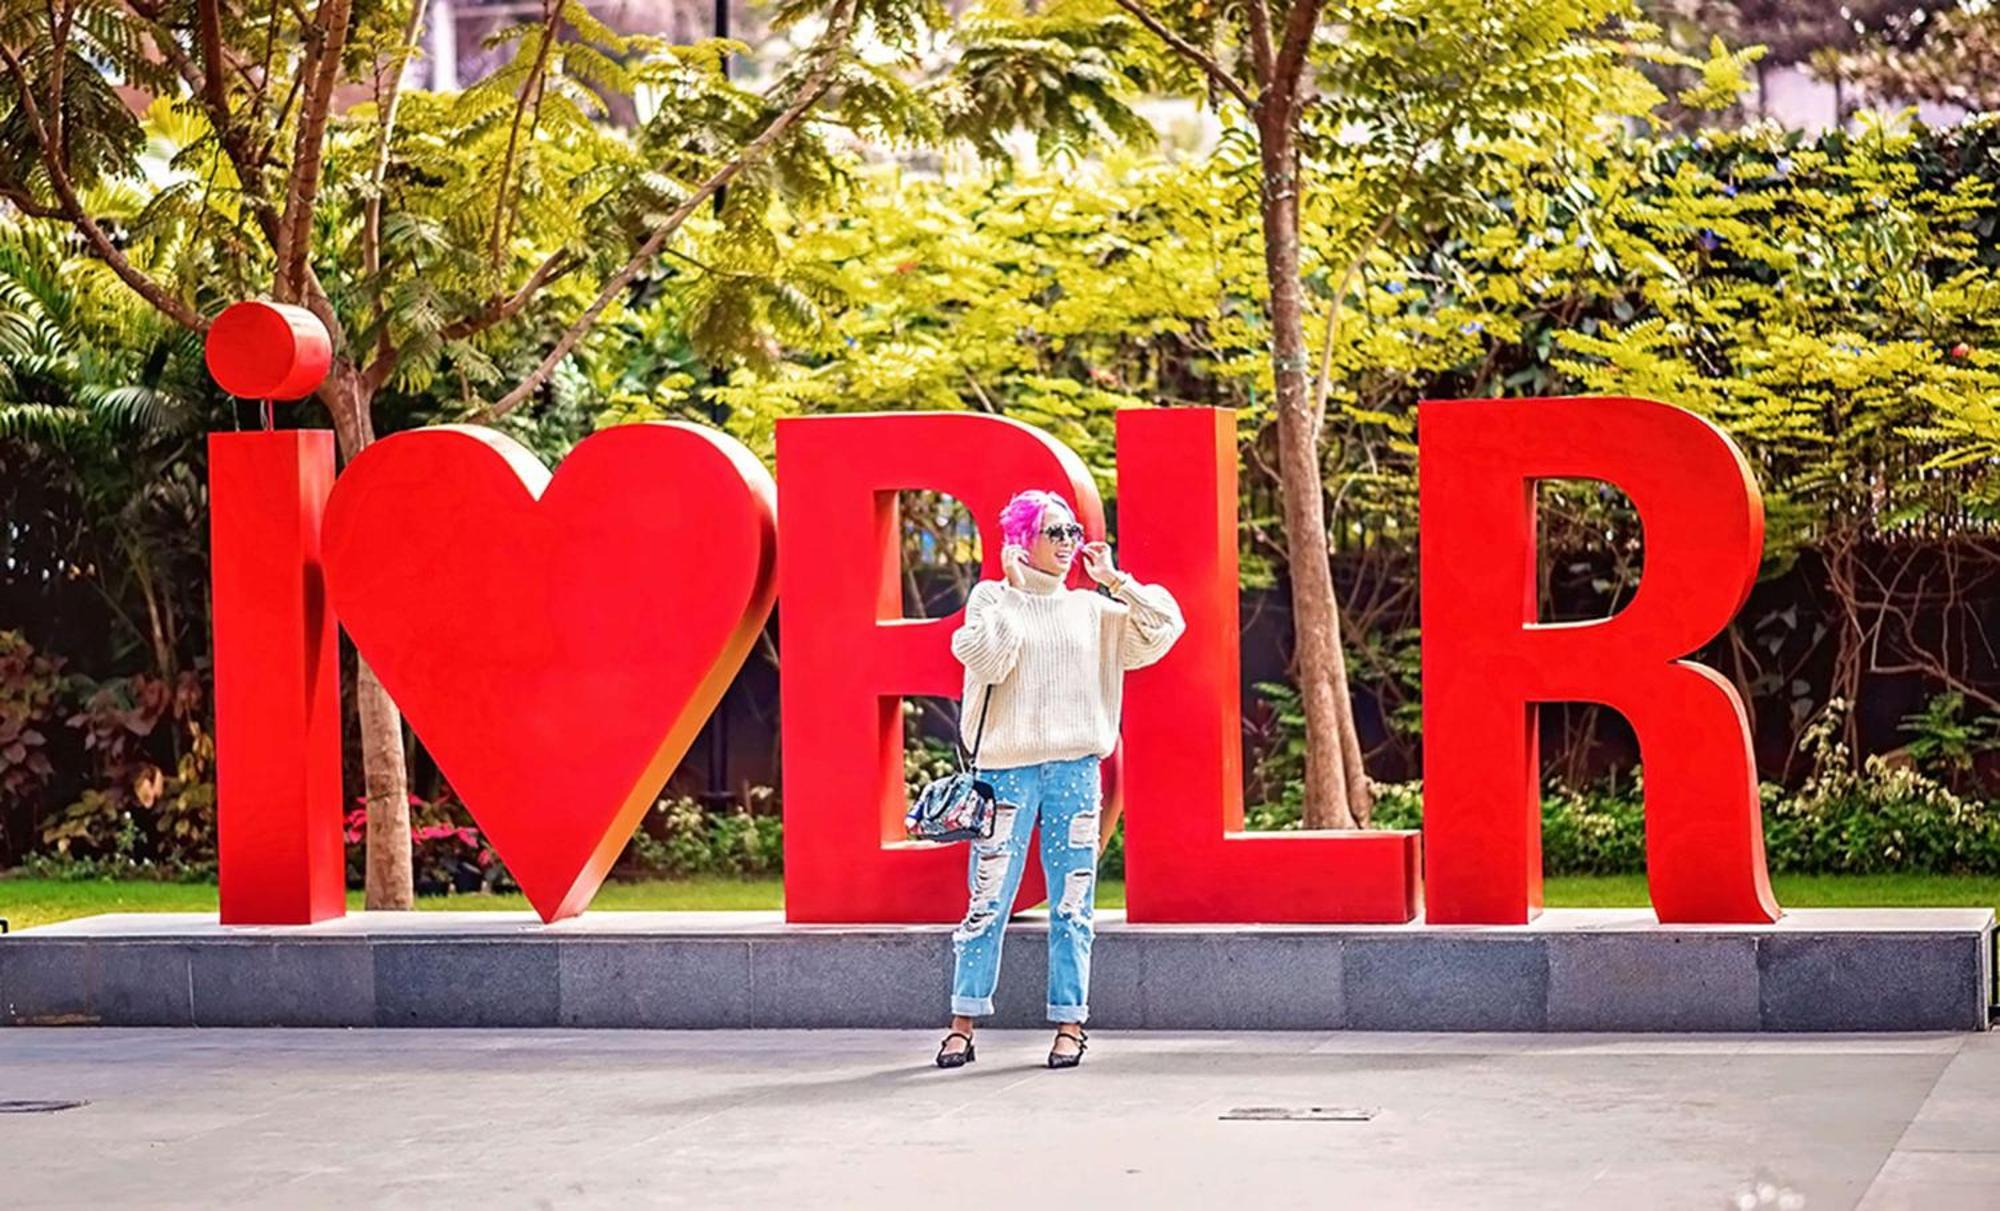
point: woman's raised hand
(1012, 560)
(1097, 562)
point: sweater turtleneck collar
(1038, 583)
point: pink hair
(1021, 520)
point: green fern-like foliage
(1069, 75)
(96, 131)
(1827, 304)
(86, 370)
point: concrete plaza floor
(364, 1118)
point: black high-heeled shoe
(959, 1058)
(1058, 1060)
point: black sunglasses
(1071, 531)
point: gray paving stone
(850, 979)
(1936, 1181)
(141, 984)
(45, 982)
(1872, 981)
(1445, 982)
(487, 983)
(1117, 972)
(860, 1119)
(1653, 981)
(1243, 981)
(655, 982)
(283, 984)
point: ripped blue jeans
(1065, 796)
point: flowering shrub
(1883, 818)
(449, 852)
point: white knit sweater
(1056, 659)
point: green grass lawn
(30, 902)
(1799, 891)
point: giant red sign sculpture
(277, 685)
(1486, 662)
(1187, 857)
(556, 642)
(277, 699)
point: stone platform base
(1572, 970)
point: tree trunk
(390, 881)
(1360, 795)
(385, 775)
(1333, 753)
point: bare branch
(72, 209)
(385, 129)
(531, 93)
(1260, 41)
(814, 87)
(1189, 51)
(246, 160)
(309, 150)
(979, 393)
(1381, 229)
(1300, 24)
(1325, 384)
(283, 115)
(20, 201)
(497, 309)
(59, 18)
(215, 81)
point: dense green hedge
(687, 840)
(1884, 818)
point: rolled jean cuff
(972, 1007)
(1069, 1013)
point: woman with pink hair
(1055, 661)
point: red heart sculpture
(556, 643)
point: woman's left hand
(1097, 562)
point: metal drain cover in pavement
(31, 1107)
(1298, 1114)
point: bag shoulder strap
(979, 733)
